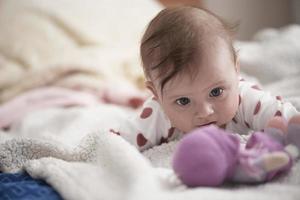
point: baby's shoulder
(152, 102)
(246, 86)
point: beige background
(254, 15)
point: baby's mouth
(207, 124)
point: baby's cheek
(228, 109)
(180, 121)
(232, 107)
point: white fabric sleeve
(146, 128)
(257, 107)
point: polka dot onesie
(152, 127)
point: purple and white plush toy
(210, 156)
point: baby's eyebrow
(222, 82)
(169, 92)
(177, 95)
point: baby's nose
(204, 110)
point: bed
(53, 145)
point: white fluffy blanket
(101, 165)
(71, 149)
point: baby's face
(212, 97)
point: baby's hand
(277, 129)
(287, 133)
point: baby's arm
(146, 128)
(287, 133)
(258, 107)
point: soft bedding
(70, 148)
(96, 165)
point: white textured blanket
(104, 166)
(101, 165)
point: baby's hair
(175, 35)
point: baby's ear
(150, 86)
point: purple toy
(209, 156)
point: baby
(192, 69)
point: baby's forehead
(185, 78)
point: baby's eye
(183, 101)
(216, 92)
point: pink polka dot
(278, 113)
(246, 123)
(240, 99)
(257, 108)
(163, 140)
(135, 102)
(256, 87)
(279, 98)
(171, 132)
(146, 113)
(114, 132)
(234, 120)
(141, 140)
